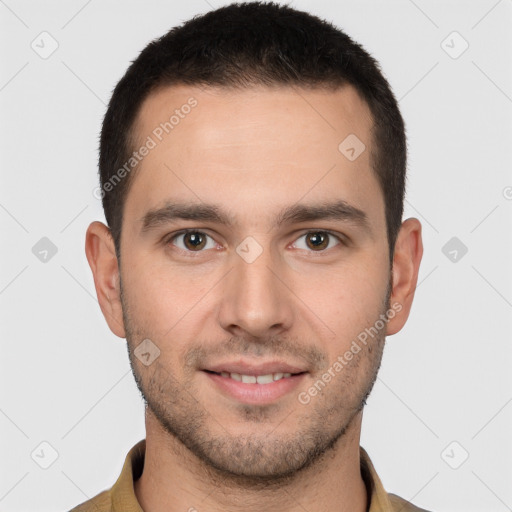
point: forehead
(254, 149)
(253, 116)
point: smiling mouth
(255, 379)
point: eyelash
(338, 238)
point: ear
(101, 255)
(406, 264)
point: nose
(256, 298)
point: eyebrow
(202, 212)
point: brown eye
(193, 241)
(317, 241)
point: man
(252, 166)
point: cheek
(164, 304)
(348, 300)
(153, 299)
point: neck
(175, 480)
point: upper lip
(252, 368)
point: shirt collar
(123, 492)
(124, 499)
(378, 497)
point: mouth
(255, 384)
(268, 378)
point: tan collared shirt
(121, 497)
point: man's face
(266, 294)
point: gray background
(444, 390)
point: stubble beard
(265, 456)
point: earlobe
(101, 255)
(406, 263)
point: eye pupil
(318, 240)
(194, 240)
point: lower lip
(256, 393)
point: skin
(252, 153)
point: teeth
(265, 379)
(253, 379)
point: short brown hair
(245, 44)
